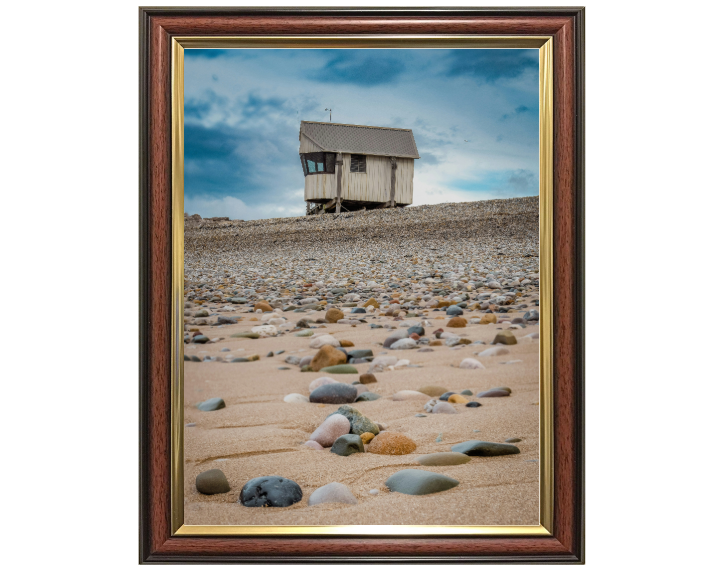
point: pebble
(322, 340)
(340, 369)
(374, 492)
(359, 424)
(417, 329)
(419, 482)
(531, 316)
(336, 393)
(494, 393)
(211, 405)
(333, 492)
(327, 356)
(294, 360)
(513, 440)
(433, 390)
(384, 361)
(253, 358)
(314, 445)
(457, 322)
(330, 430)
(360, 353)
(270, 491)
(454, 311)
(304, 333)
(471, 364)
(479, 448)
(251, 335)
(320, 381)
(347, 444)
(496, 351)
(404, 344)
(443, 408)
(212, 482)
(265, 330)
(333, 315)
(296, 399)
(473, 405)
(367, 379)
(504, 337)
(367, 397)
(439, 438)
(443, 459)
(367, 437)
(392, 444)
(457, 399)
(445, 396)
(466, 393)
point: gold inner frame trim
(545, 48)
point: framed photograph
(361, 328)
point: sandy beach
(413, 262)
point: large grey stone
(419, 482)
(337, 393)
(479, 448)
(270, 491)
(347, 444)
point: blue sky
(473, 112)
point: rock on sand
(419, 482)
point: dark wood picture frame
(157, 28)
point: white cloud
(236, 209)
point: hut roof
(350, 138)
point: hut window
(318, 163)
(357, 163)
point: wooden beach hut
(350, 167)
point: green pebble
(340, 369)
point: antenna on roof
(329, 110)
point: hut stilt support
(393, 165)
(338, 174)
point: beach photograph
(361, 287)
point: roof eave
(371, 153)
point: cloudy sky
(473, 112)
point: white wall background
(69, 289)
